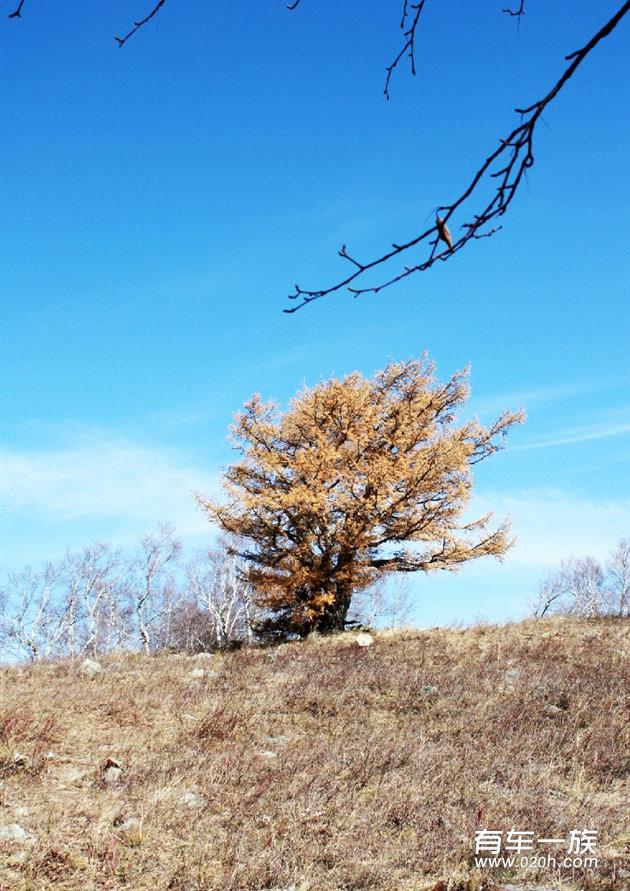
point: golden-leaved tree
(360, 477)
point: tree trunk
(334, 618)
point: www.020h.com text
(538, 861)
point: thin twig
(405, 10)
(409, 46)
(516, 156)
(516, 12)
(17, 13)
(137, 25)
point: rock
(428, 691)
(112, 772)
(112, 776)
(18, 759)
(192, 799)
(364, 639)
(267, 753)
(90, 668)
(197, 673)
(203, 657)
(14, 833)
(551, 710)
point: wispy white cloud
(574, 435)
(101, 475)
(540, 396)
(552, 525)
(101, 485)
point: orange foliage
(358, 478)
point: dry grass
(320, 765)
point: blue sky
(160, 200)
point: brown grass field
(320, 765)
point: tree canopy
(358, 478)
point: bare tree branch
(137, 25)
(514, 154)
(17, 12)
(516, 12)
(409, 47)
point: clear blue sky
(160, 200)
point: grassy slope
(324, 765)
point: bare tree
(216, 583)
(550, 591)
(583, 587)
(93, 583)
(150, 583)
(384, 604)
(70, 607)
(618, 570)
(36, 621)
(98, 599)
(577, 589)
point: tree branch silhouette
(411, 13)
(409, 47)
(17, 12)
(508, 163)
(137, 25)
(518, 13)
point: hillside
(318, 765)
